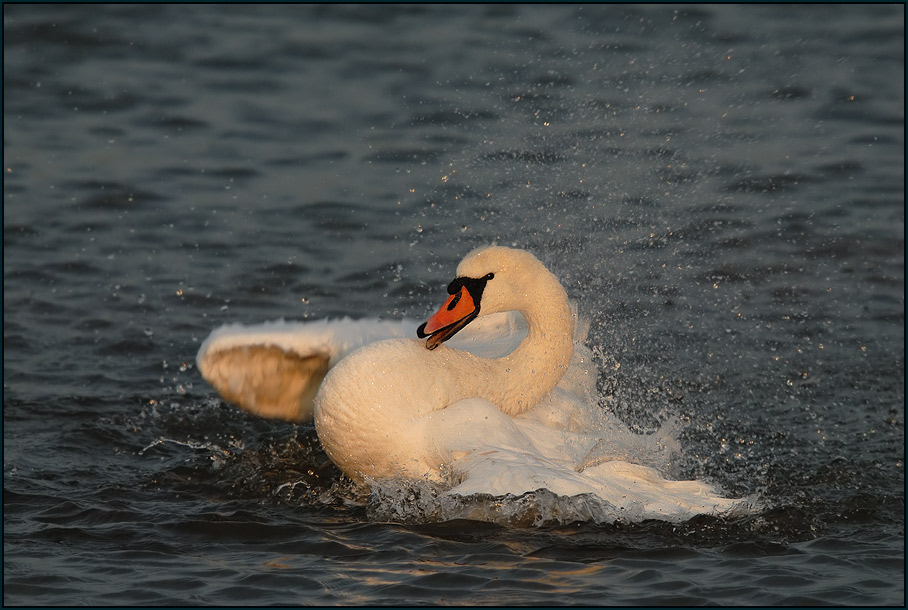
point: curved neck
(525, 376)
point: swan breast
(368, 411)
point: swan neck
(531, 371)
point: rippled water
(721, 188)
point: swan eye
(488, 276)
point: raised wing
(274, 369)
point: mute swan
(380, 409)
(388, 406)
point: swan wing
(275, 369)
(634, 492)
(491, 453)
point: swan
(380, 410)
(497, 412)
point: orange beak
(458, 311)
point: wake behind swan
(505, 407)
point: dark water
(721, 188)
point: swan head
(489, 280)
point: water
(720, 187)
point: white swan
(380, 411)
(393, 408)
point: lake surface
(720, 187)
